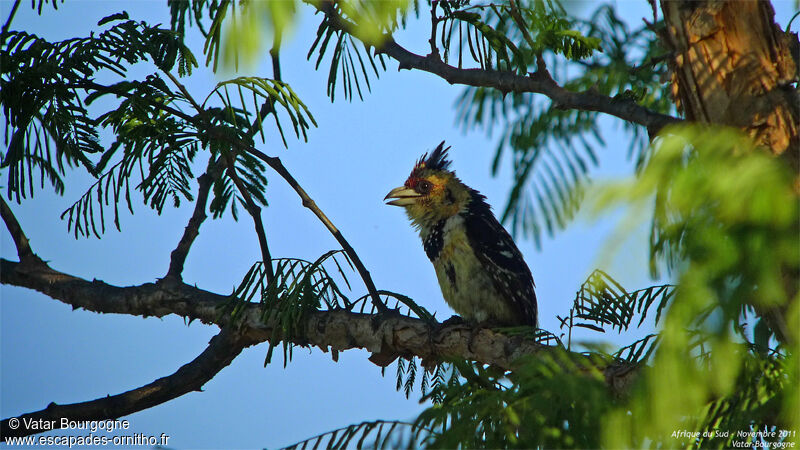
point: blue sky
(357, 154)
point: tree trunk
(733, 65)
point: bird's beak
(404, 196)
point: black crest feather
(437, 160)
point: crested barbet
(481, 271)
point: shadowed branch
(221, 350)
(20, 240)
(192, 230)
(276, 164)
(229, 160)
(255, 212)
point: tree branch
(221, 350)
(255, 212)
(253, 209)
(20, 240)
(337, 330)
(276, 164)
(269, 104)
(275, 55)
(10, 19)
(537, 82)
(192, 230)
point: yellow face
(429, 196)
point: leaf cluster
(299, 287)
(55, 111)
(378, 434)
(727, 212)
(551, 400)
(47, 121)
(509, 36)
(352, 71)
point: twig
(192, 230)
(10, 19)
(20, 240)
(269, 104)
(185, 92)
(221, 350)
(434, 24)
(275, 55)
(253, 209)
(276, 164)
(107, 89)
(523, 27)
(255, 212)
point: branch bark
(255, 213)
(733, 65)
(335, 330)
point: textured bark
(386, 336)
(733, 65)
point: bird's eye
(423, 187)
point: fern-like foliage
(347, 63)
(602, 302)
(550, 401)
(552, 150)
(249, 96)
(508, 35)
(48, 89)
(399, 302)
(378, 434)
(192, 12)
(353, 61)
(434, 375)
(727, 213)
(299, 287)
(758, 386)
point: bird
(480, 270)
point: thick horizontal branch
(221, 350)
(386, 335)
(539, 82)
